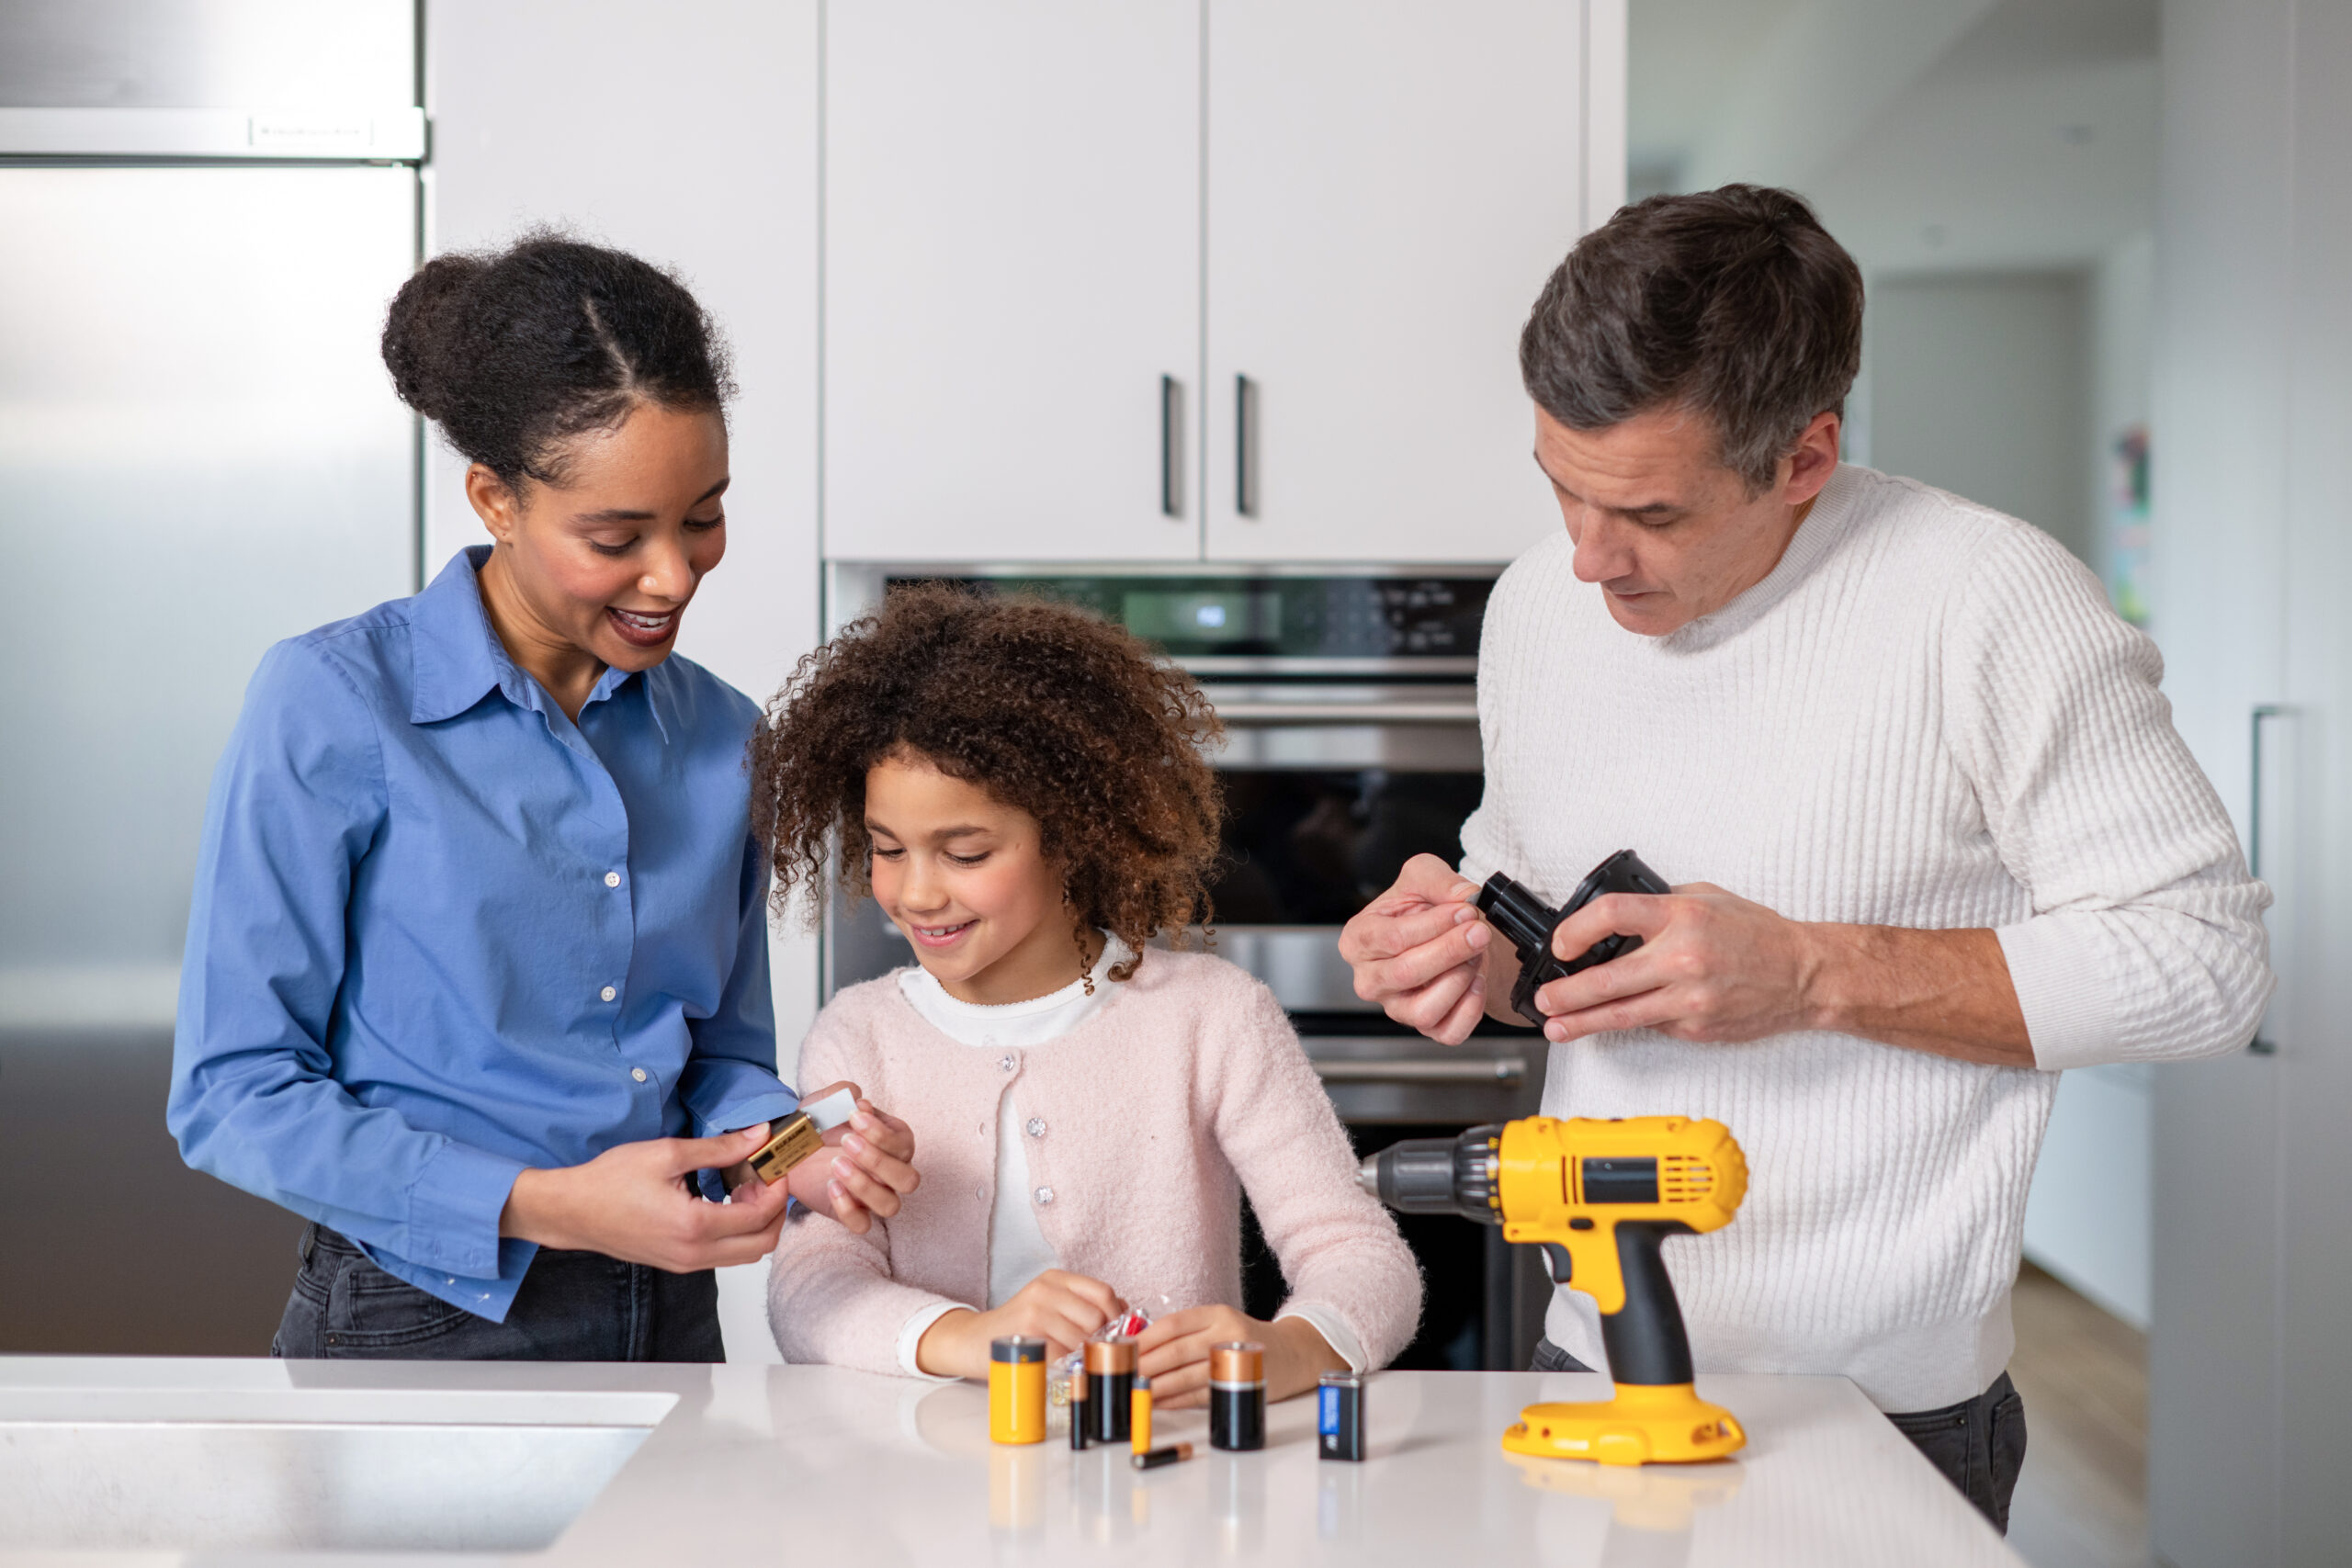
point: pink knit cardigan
(1154, 1116)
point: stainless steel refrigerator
(204, 207)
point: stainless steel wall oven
(1349, 706)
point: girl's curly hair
(1044, 707)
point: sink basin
(311, 1470)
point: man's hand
(1061, 1308)
(637, 1202)
(1716, 968)
(863, 1171)
(1174, 1353)
(1420, 951)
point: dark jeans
(574, 1306)
(1978, 1444)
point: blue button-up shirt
(441, 933)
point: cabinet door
(1389, 182)
(1011, 279)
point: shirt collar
(459, 659)
(457, 656)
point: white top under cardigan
(1926, 715)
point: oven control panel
(1229, 621)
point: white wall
(687, 133)
(2122, 307)
(1976, 386)
(2087, 1217)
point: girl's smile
(940, 936)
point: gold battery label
(795, 1139)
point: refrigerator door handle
(2262, 1044)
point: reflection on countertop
(133, 1460)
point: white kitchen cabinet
(1011, 279)
(1389, 182)
(1024, 359)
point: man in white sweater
(1935, 836)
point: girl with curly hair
(1019, 786)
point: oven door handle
(1481, 1070)
(1346, 713)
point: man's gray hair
(1732, 303)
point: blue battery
(1338, 1423)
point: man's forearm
(1945, 992)
(1717, 968)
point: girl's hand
(1174, 1353)
(1061, 1308)
(864, 1170)
(636, 1204)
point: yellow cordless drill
(1599, 1197)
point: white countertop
(131, 1461)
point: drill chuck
(1438, 1176)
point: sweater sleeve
(1338, 1249)
(831, 1296)
(2145, 942)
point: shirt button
(608, 993)
(981, 1193)
(1045, 1196)
(612, 879)
(1036, 1126)
(1004, 1061)
(637, 1072)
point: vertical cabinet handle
(2261, 1044)
(1171, 442)
(1245, 446)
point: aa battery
(1237, 1396)
(1152, 1459)
(1110, 1388)
(1139, 1415)
(1017, 1390)
(1338, 1415)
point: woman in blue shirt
(476, 967)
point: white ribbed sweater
(1926, 717)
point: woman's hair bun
(420, 328)
(513, 352)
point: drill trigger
(1555, 1262)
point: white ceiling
(1932, 135)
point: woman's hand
(1061, 1308)
(637, 1202)
(1174, 1353)
(864, 1170)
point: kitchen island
(125, 1461)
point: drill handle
(1645, 1339)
